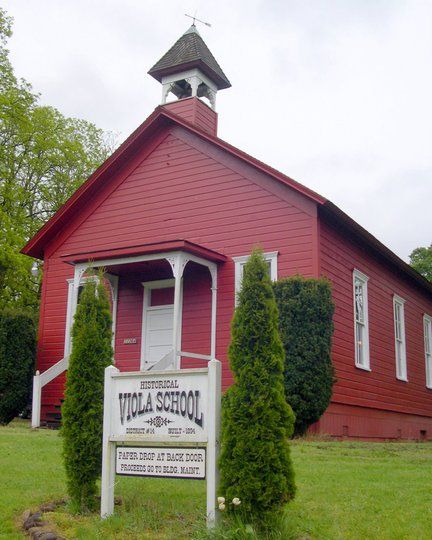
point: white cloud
(335, 94)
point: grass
(346, 490)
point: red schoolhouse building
(172, 216)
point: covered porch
(164, 305)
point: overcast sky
(335, 93)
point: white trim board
(241, 260)
(427, 331)
(401, 367)
(363, 279)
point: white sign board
(160, 406)
(165, 423)
(165, 462)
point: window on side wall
(427, 324)
(270, 258)
(400, 342)
(361, 327)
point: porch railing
(168, 361)
(164, 363)
(39, 381)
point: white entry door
(158, 334)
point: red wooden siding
(196, 314)
(346, 421)
(379, 388)
(52, 328)
(196, 112)
(183, 189)
(180, 192)
(129, 322)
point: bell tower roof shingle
(190, 51)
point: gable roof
(190, 51)
(345, 223)
(158, 121)
(147, 249)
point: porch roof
(147, 249)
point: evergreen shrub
(17, 359)
(306, 327)
(255, 463)
(82, 411)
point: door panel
(158, 336)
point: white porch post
(178, 264)
(213, 272)
(113, 282)
(176, 348)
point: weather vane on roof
(193, 17)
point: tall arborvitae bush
(255, 463)
(82, 411)
(17, 358)
(306, 327)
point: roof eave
(145, 249)
(221, 83)
(35, 246)
(159, 117)
(330, 210)
(162, 117)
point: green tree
(82, 410)
(17, 357)
(421, 260)
(306, 327)
(255, 463)
(44, 157)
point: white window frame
(71, 307)
(400, 338)
(427, 331)
(241, 260)
(357, 275)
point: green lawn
(345, 491)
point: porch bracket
(79, 271)
(78, 274)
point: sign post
(162, 424)
(213, 439)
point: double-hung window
(361, 328)
(427, 324)
(271, 260)
(400, 342)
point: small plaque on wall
(129, 340)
